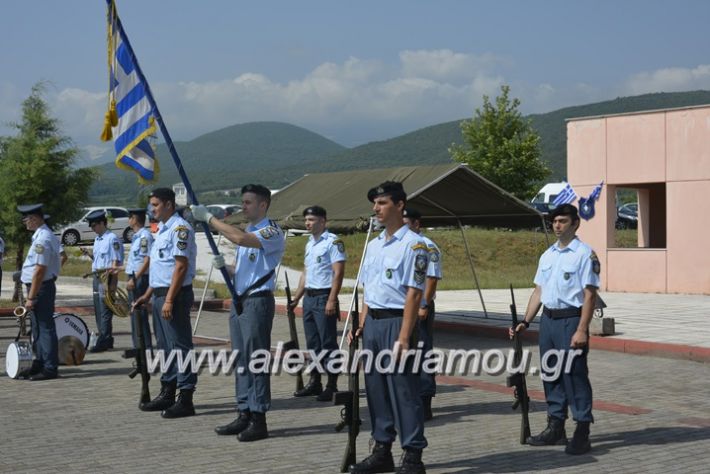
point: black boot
(426, 407)
(182, 407)
(313, 387)
(237, 426)
(256, 429)
(411, 462)
(165, 398)
(580, 440)
(553, 434)
(330, 388)
(379, 461)
(34, 369)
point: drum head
(71, 351)
(71, 325)
(18, 358)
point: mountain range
(275, 154)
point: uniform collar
(572, 246)
(169, 223)
(399, 235)
(260, 225)
(39, 230)
(323, 235)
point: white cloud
(670, 80)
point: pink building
(665, 156)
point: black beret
(314, 211)
(564, 210)
(95, 216)
(412, 214)
(392, 188)
(257, 189)
(138, 211)
(164, 194)
(27, 209)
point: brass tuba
(115, 299)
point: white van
(547, 194)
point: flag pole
(171, 146)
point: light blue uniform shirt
(107, 249)
(391, 267)
(141, 244)
(254, 263)
(562, 274)
(44, 250)
(319, 259)
(434, 268)
(175, 238)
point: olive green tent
(446, 195)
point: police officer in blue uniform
(107, 256)
(137, 267)
(394, 275)
(172, 268)
(566, 286)
(259, 252)
(425, 323)
(320, 282)
(39, 272)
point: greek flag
(130, 120)
(566, 196)
(596, 192)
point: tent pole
(544, 229)
(204, 291)
(357, 282)
(473, 270)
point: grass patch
(500, 257)
(626, 238)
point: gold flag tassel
(111, 117)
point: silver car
(78, 231)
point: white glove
(218, 261)
(200, 213)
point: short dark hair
(393, 189)
(262, 192)
(164, 194)
(315, 211)
(565, 210)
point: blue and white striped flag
(596, 192)
(130, 114)
(566, 196)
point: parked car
(74, 233)
(627, 216)
(220, 211)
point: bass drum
(18, 358)
(72, 337)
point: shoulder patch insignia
(419, 246)
(116, 245)
(420, 262)
(340, 245)
(268, 232)
(182, 232)
(596, 266)
(433, 255)
(182, 245)
(39, 248)
(144, 244)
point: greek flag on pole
(566, 196)
(596, 192)
(130, 114)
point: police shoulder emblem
(340, 245)
(116, 245)
(182, 232)
(433, 254)
(420, 262)
(182, 245)
(268, 232)
(39, 248)
(144, 243)
(596, 266)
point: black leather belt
(562, 313)
(386, 313)
(317, 292)
(45, 282)
(257, 294)
(160, 292)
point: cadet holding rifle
(320, 282)
(566, 284)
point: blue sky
(352, 71)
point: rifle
(140, 364)
(293, 343)
(350, 399)
(517, 380)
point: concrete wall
(666, 156)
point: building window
(640, 220)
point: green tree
(35, 166)
(502, 147)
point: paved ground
(652, 415)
